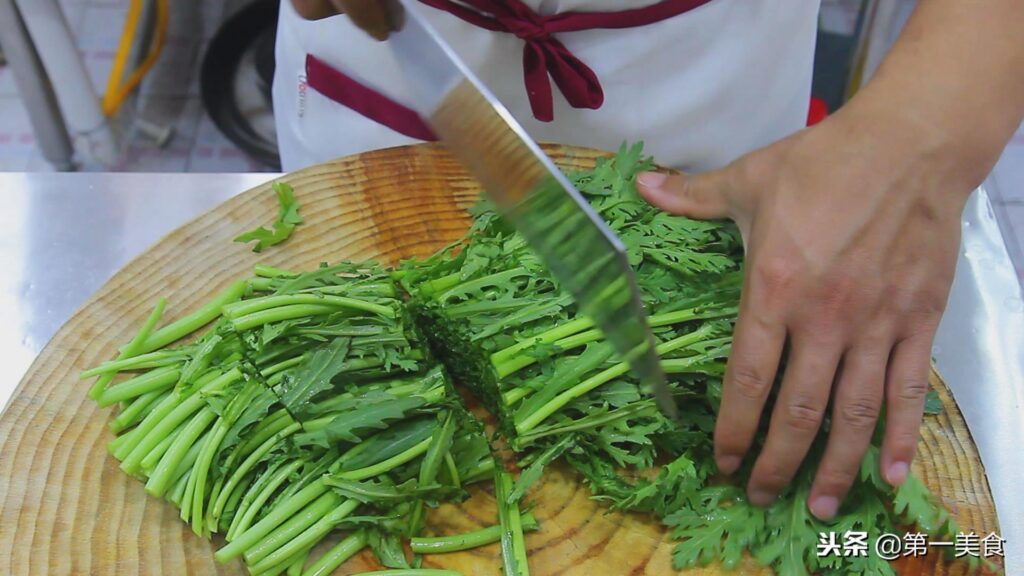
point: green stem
(249, 463)
(310, 536)
(254, 501)
(513, 545)
(285, 533)
(453, 470)
(480, 470)
(156, 380)
(260, 284)
(140, 362)
(151, 459)
(337, 555)
(171, 459)
(271, 425)
(431, 287)
(118, 443)
(281, 366)
(132, 348)
(386, 465)
(253, 305)
(637, 409)
(236, 497)
(185, 326)
(279, 514)
(185, 467)
(163, 475)
(466, 540)
(127, 442)
(295, 568)
(176, 493)
(505, 364)
(165, 426)
(440, 443)
(551, 335)
(251, 321)
(513, 396)
(558, 402)
(201, 471)
(137, 410)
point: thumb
(700, 196)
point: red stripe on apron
(545, 58)
(344, 90)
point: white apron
(699, 89)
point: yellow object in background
(117, 91)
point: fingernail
(897, 473)
(651, 179)
(761, 497)
(728, 464)
(825, 507)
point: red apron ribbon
(545, 58)
(545, 55)
(372, 104)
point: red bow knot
(544, 55)
(525, 29)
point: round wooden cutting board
(66, 508)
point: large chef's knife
(585, 256)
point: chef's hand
(851, 229)
(378, 18)
(851, 248)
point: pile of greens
(313, 407)
(308, 408)
(499, 320)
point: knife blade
(582, 253)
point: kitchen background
(181, 120)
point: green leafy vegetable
(287, 219)
(932, 403)
(311, 407)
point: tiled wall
(169, 95)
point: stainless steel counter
(63, 235)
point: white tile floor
(169, 96)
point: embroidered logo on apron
(303, 88)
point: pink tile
(213, 152)
(101, 27)
(148, 158)
(17, 142)
(7, 85)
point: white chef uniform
(699, 88)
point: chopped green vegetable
(513, 546)
(287, 219)
(932, 403)
(500, 322)
(468, 540)
(280, 432)
(311, 408)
